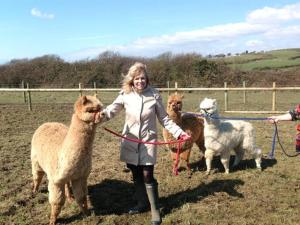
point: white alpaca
(222, 136)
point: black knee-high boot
(152, 192)
(141, 198)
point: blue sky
(83, 29)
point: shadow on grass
(250, 164)
(115, 196)
(111, 197)
(197, 194)
(107, 197)
(76, 217)
(243, 165)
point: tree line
(189, 70)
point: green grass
(276, 59)
(245, 196)
(255, 100)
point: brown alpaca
(191, 124)
(64, 155)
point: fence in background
(27, 93)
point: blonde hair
(135, 70)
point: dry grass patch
(245, 196)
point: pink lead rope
(175, 169)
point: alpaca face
(208, 107)
(88, 108)
(175, 103)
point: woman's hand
(103, 116)
(184, 136)
(273, 119)
(284, 117)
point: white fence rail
(27, 93)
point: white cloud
(208, 34)
(254, 43)
(263, 29)
(36, 12)
(274, 15)
(283, 32)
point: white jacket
(141, 111)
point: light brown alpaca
(64, 155)
(191, 124)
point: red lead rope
(179, 142)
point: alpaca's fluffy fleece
(222, 136)
(191, 124)
(64, 155)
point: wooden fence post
(176, 86)
(168, 86)
(24, 93)
(95, 87)
(244, 86)
(80, 92)
(274, 97)
(29, 98)
(225, 97)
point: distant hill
(270, 60)
(189, 70)
(262, 68)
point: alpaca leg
(225, 158)
(186, 157)
(201, 145)
(56, 199)
(175, 164)
(80, 193)
(209, 154)
(239, 154)
(257, 156)
(37, 174)
(68, 192)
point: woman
(142, 105)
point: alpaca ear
(83, 99)
(182, 96)
(215, 101)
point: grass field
(277, 59)
(244, 197)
